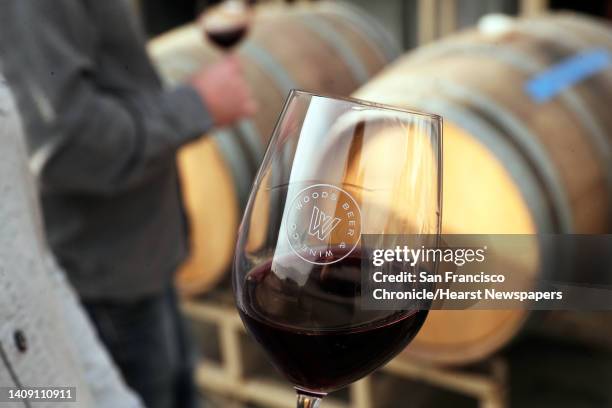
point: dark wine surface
(314, 329)
(227, 38)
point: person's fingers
(232, 57)
(226, 91)
(233, 63)
(250, 107)
(245, 94)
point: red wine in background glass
(322, 360)
(227, 38)
(226, 24)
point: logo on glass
(323, 224)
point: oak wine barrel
(328, 47)
(527, 146)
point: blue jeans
(149, 343)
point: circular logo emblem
(323, 224)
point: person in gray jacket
(102, 136)
(45, 337)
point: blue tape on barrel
(547, 84)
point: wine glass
(227, 23)
(334, 170)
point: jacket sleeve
(83, 134)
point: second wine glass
(227, 23)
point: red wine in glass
(322, 360)
(226, 24)
(227, 38)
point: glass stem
(306, 400)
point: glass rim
(357, 101)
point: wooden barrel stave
(371, 31)
(593, 90)
(557, 39)
(493, 111)
(565, 118)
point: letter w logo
(321, 225)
